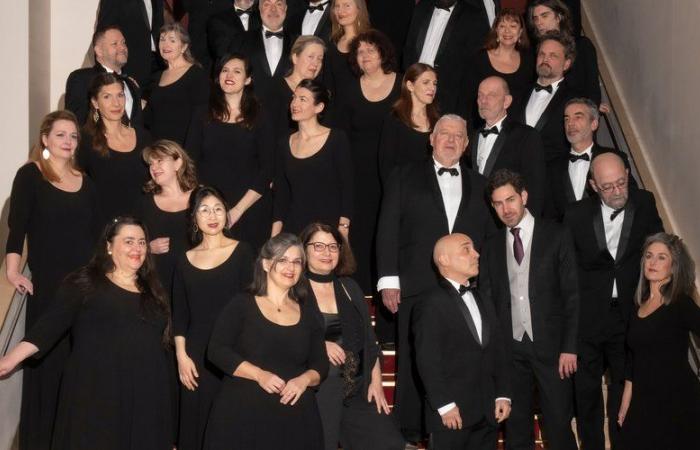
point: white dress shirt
(149, 15)
(273, 49)
(538, 102)
(312, 19)
(613, 230)
(129, 99)
(244, 18)
(490, 11)
(485, 145)
(433, 37)
(578, 172)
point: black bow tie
(539, 87)
(452, 171)
(616, 213)
(583, 156)
(319, 7)
(444, 8)
(240, 12)
(486, 131)
(462, 288)
(278, 34)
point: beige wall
(650, 48)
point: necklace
(278, 307)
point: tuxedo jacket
(130, 16)
(464, 35)
(225, 32)
(77, 99)
(553, 287)
(597, 268)
(453, 365)
(412, 218)
(296, 18)
(551, 122)
(254, 48)
(561, 191)
(519, 148)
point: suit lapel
(262, 56)
(451, 24)
(496, 150)
(569, 187)
(322, 22)
(536, 255)
(431, 176)
(485, 325)
(599, 227)
(459, 302)
(422, 32)
(466, 193)
(626, 229)
(474, 149)
(558, 96)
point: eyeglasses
(321, 247)
(620, 185)
(285, 263)
(207, 211)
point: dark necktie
(518, 250)
(463, 289)
(574, 157)
(319, 7)
(452, 171)
(240, 12)
(278, 34)
(539, 87)
(616, 213)
(486, 131)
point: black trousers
(555, 399)
(481, 436)
(354, 423)
(595, 356)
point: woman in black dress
(110, 151)
(406, 131)
(361, 112)
(206, 278)
(181, 87)
(164, 207)
(314, 178)
(506, 54)
(114, 388)
(50, 197)
(661, 401)
(235, 144)
(351, 400)
(271, 349)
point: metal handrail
(14, 312)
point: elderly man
(460, 353)
(422, 202)
(609, 230)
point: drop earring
(45, 153)
(96, 115)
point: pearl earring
(46, 154)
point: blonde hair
(300, 45)
(181, 33)
(186, 174)
(362, 25)
(35, 154)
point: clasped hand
(289, 391)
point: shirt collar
(457, 285)
(108, 70)
(606, 209)
(264, 29)
(527, 223)
(555, 85)
(588, 150)
(437, 165)
(499, 124)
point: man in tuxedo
(544, 108)
(422, 202)
(529, 271)
(609, 230)
(139, 22)
(569, 174)
(460, 353)
(226, 29)
(199, 12)
(506, 143)
(313, 20)
(111, 54)
(445, 34)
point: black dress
(244, 416)
(118, 177)
(198, 297)
(235, 159)
(60, 232)
(275, 101)
(665, 407)
(583, 73)
(337, 75)
(115, 391)
(169, 111)
(318, 188)
(400, 144)
(363, 120)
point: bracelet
(344, 225)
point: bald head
(456, 258)
(606, 162)
(609, 178)
(493, 99)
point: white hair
(454, 117)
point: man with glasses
(609, 230)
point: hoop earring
(196, 228)
(45, 153)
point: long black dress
(244, 416)
(198, 297)
(337, 75)
(318, 188)
(235, 159)
(665, 408)
(363, 120)
(400, 144)
(118, 177)
(115, 391)
(170, 108)
(60, 232)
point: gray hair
(184, 37)
(454, 117)
(587, 102)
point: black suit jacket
(551, 122)
(553, 287)
(412, 218)
(254, 48)
(130, 16)
(77, 101)
(453, 365)
(519, 148)
(225, 32)
(562, 191)
(464, 35)
(597, 268)
(296, 18)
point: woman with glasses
(271, 349)
(351, 400)
(206, 278)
